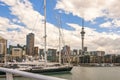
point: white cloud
(115, 23)
(108, 44)
(10, 2)
(90, 9)
(106, 25)
(16, 21)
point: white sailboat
(50, 67)
(54, 67)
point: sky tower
(82, 35)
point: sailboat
(50, 68)
(46, 68)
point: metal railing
(10, 72)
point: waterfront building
(36, 51)
(80, 52)
(112, 58)
(65, 53)
(66, 50)
(24, 53)
(17, 54)
(30, 44)
(52, 55)
(96, 56)
(41, 53)
(75, 52)
(116, 58)
(92, 57)
(3, 49)
(24, 50)
(74, 56)
(96, 53)
(17, 46)
(85, 49)
(10, 49)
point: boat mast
(59, 42)
(45, 33)
(59, 24)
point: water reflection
(65, 75)
(91, 73)
(96, 73)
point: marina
(59, 40)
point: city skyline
(102, 23)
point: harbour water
(86, 73)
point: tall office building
(30, 44)
(3, 49)
(3, 46)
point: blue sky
(52, 13)
(102, 22)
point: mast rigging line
(34, 25)
(58, 23)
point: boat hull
(61, 69)
(64, 69)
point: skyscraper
(3, 49)
(3, 46)
(30, 44)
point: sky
(101, 21)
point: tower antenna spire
(82, 35)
